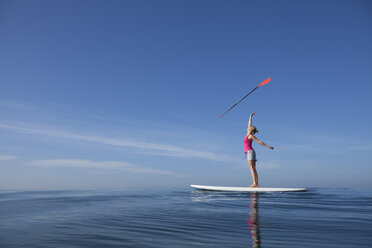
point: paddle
(263, 83)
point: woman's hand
(252, 114)
(270, 147)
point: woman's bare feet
(254, 186)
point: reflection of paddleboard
(247, 189)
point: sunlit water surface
(186, 218)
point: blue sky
(117, 94)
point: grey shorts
(251, 155)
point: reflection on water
(225, 201)
(163, 218)
(253, 222)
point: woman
(249, 151)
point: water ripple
(186, 218)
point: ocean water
(185, 218)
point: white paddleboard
(247, 189)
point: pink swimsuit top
(247, 144)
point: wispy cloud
(141, 146)
(18, 106)
(307, 147)
(330, 147)
(366, 148)
(102, 165)
(3, 157)
(270, 164)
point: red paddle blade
(264, 82)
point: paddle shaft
(238, 102)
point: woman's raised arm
(250, 120)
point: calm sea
(185, 218)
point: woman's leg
(252, 167)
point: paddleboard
(247, 189)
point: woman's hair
(252, 129)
